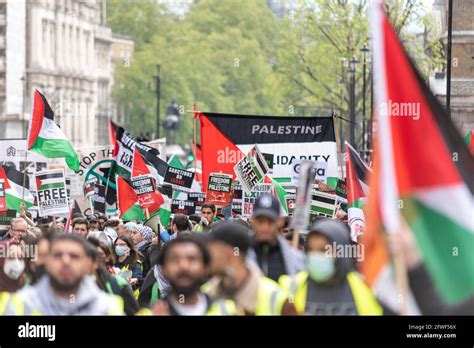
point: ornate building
(462, 68)
(63, 48)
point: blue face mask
(120, 250)
(320, 267)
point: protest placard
(99, 198)
(323, 203)
(199, 198)
(179, 179)
(249, 198)
(251, 169)
(6, 217)
(341, 190)
(303, 196)
(144, 186)
(237, 199)
(183, 207)
(3, 200)
(218, 189)
(51, 193)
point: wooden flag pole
(195, 139)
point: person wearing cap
(235, 278)
(93, 222)
(271, 252)
(330, 285)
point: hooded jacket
(334, 297)
(89, 300)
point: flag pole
(24, 172)
(338, 145)
(195, 139)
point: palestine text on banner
(218, 189)
(226, 138)
(51, 193)
(251, 169)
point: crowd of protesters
(198, 265)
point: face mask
(320, 267)
(14, 269)
(121, 251)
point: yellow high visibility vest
(116, 308)
(270, 297)
(4, 297)
(365, 301)
(219, 307)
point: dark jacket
(118, 286)
(150, 257)
(428, 299)
(155, 285)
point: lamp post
(158, 97)
(352, 70)
(364, 51)
(171, 122)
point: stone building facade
(67, 55)
(462, 68)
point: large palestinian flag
(124, 144)
(45, 137)
(15, 190)
(357, 191)
(423, 176)
(226, 138)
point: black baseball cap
(266, 205)
(229, 233)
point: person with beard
(235, 278)
(330, 285)
(271, 252)
(66, 277)
(185, 263)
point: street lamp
(364, 51)
(352, 70)
(158, 97)
(171, 122)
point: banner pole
(24, 173)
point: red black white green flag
(423, 175)
(45, 137)
(226, 139)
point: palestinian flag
(279, 192)
(124, 145)
(423, 175)
(15, 192)
(357, 191)
(226, 139)
(45, 137)
(470, 141)
(127, 201)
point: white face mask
(14, 268)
